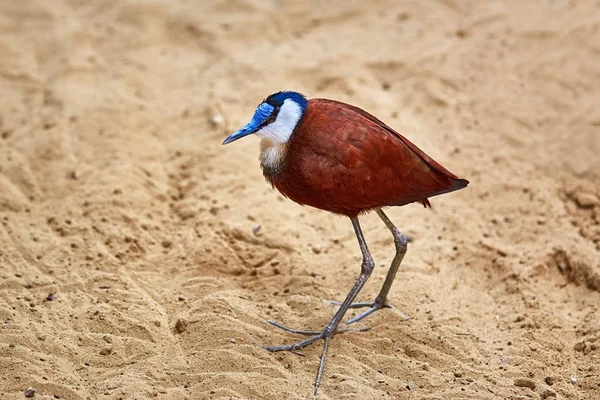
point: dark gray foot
(326, 335)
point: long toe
(363, 304)
(291, 330)
(374, 306)
(364, 314)
(295, 346)
(311, 333)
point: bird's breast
(272, 157)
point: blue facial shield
(260, 116)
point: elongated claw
(311, 333)
(295, 331)
(373, 306)
(362, 304)
(296, 346)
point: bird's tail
(456, 185)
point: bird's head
(275, 118)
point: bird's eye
(271, 119)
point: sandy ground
(129, 267)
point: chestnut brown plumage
(339, 158)
(344, 160)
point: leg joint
(368, 264)
(400, 240)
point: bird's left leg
(380, 302)
(367, 267)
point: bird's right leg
(380, 302)
(331, 328)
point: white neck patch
(287, 119)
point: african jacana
(339, 158)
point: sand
(132, 262)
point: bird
(339, 158)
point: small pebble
(586, 200)
(30, 392)
(256, 229)
(573, 379)
(411, 386)
(181, 298)
(51, 297)
(549, 380)
(216, 119)
(180, 326)
(579, 346)
(547, 394)
(525, 382)
(458, 374)
(233, 340)
(105, 351)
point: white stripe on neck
(281, 129)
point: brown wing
(430, 161)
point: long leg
(327, 333)
(401, 243)
(380, 302)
